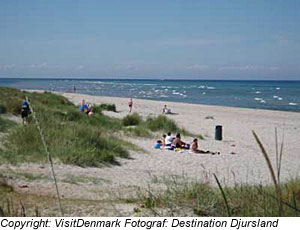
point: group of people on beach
(170, 142)
(88, 107)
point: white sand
(246, 166)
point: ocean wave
(257, 92)
(258, 99)
(292, 103)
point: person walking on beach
(25, 111)
(130, 105)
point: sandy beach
(247, 165)
(150, 167)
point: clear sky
(207, 39)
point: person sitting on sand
(158, 144)
(130, 105)
(169, 139)
(25, 111)
(85, 108)
(166, 110)
(178, 143)
(194, 148)
(163, 142)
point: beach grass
(202, 199)
(72, 137)
(5, 124)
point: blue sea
(274, 95)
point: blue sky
(207, 39)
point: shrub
(107, 107)
(132, 119)
(15, 106)
(161, 123)
(3, 109)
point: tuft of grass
(138, 131)
(5, 124)
(132, 119)
(107, 107)
(183, 197)
(165, 124)
(82, 179)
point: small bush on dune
(107, 107)
(3, 109)
(161, 123)
(15, 106)
(132, 119)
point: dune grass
(202, 199)
(106, 107)
(5, 124)
(159, 123)
(72, 137)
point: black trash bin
(218, 133)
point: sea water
(274, 95)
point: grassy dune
(72, 137)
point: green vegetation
(5, 124)
(132, 119)
(3, 109)
(204, 200)
(72, 137)
(73, 179)
(107, 107)
(160, 123)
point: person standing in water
(130, 105)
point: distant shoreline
(256, 94)
(168, 102)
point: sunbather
(178, 143)
(194, 148)
(166, 110)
